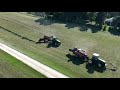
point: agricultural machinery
(79, 53)
(98, 61)
(51, 40)
(95, 60)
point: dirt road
(45, 70)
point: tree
(116, 23)
(91, 16)
(76, 17)
(100, 18)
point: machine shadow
(75, 60)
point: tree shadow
(44, 21)
(76, 61)
(41, 14)
(114, 31)
(83, 28)
(93, 28)
(92, 67)
(49, 21)
(82, 25)
(69, 25)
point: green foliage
(67, 16)
(105, 27)
(100, 18)
(92, 16)
(76, 16)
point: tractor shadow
(44, 21)
(76, 61)
(92, 67)
(51, 45)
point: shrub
(105, 27)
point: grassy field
(10, 67)
(104, 43)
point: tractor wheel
(58, 44)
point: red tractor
(80, 53)
(45, 39)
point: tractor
(50, 39)
(100, 64)
(97, 61)
(55, 41)
(79, 53)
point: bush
(105, 27)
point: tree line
(79, 17)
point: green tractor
(55, 41)
(52, 40)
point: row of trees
(78, 17)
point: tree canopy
(79, 17)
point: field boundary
(45, 70)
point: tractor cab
(54, 37)
(81, 50)
(95, 56)
(97, 61)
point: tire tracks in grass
(17, 34)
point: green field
(104, 43)
(10, 67)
